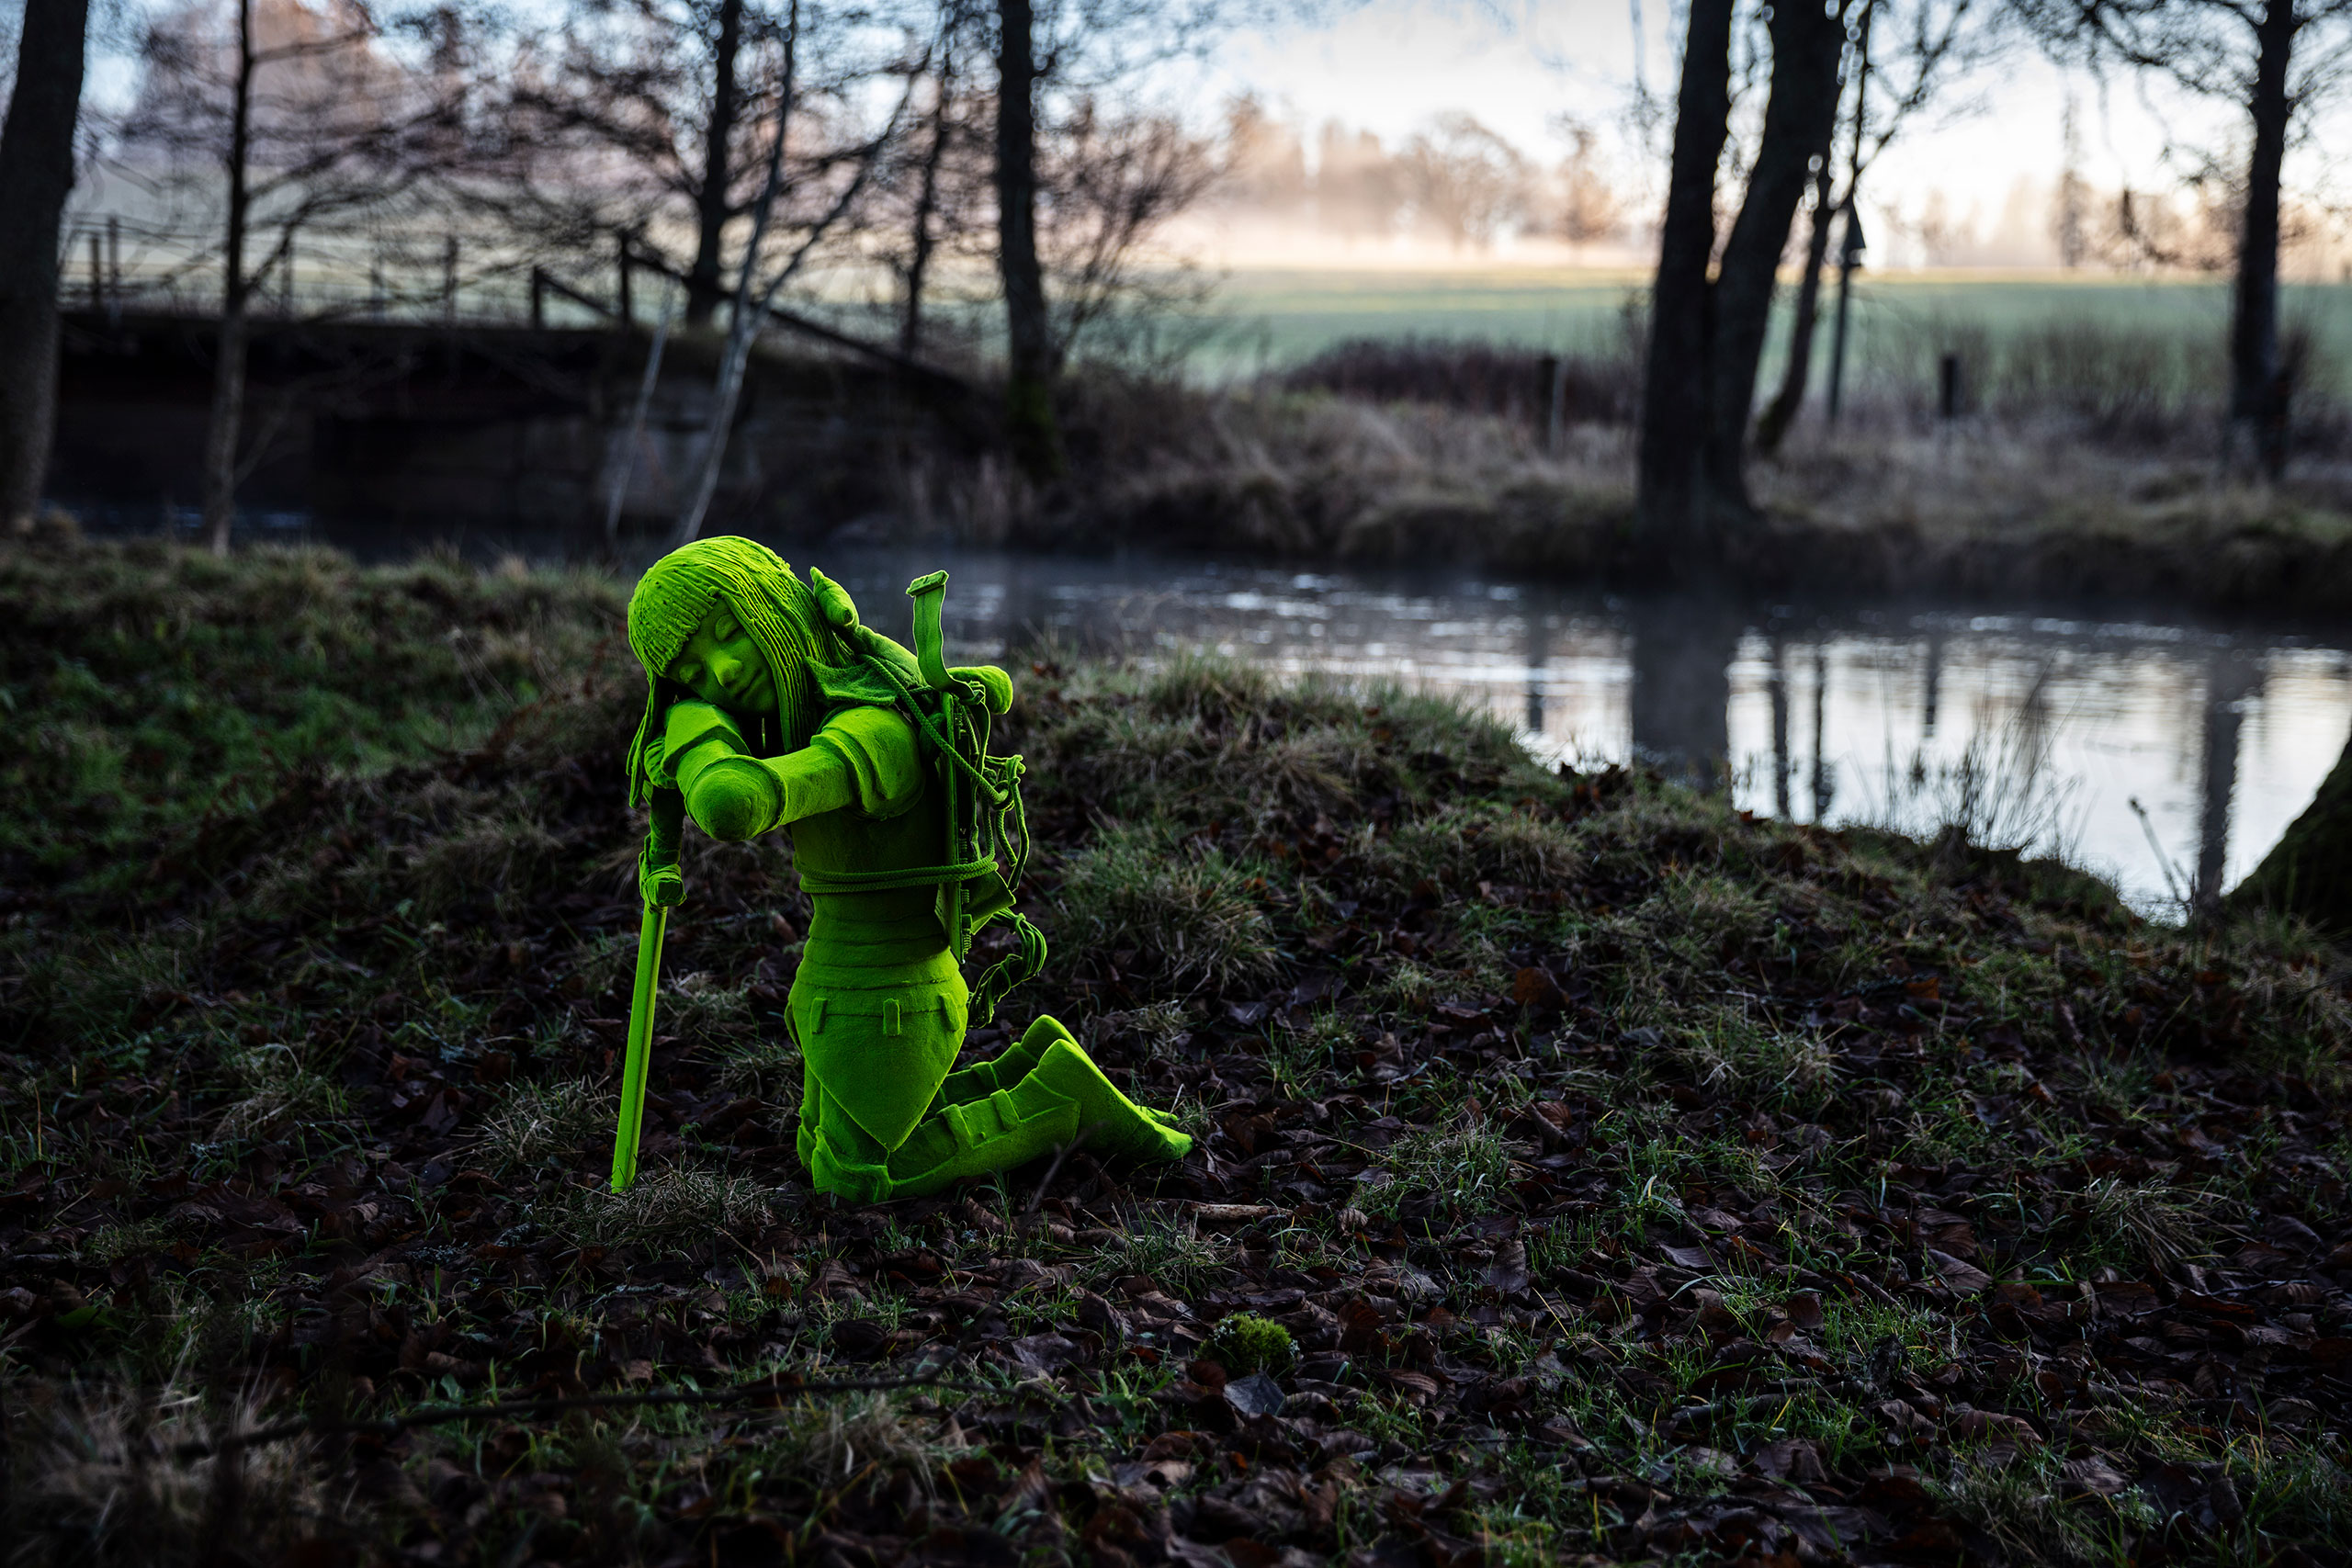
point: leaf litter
(1632, 1178)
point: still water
(2167, 757)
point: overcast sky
(1389, 64)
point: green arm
(640, 1046)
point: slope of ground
(1631, 1178)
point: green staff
(640, 1045)
(659, 880)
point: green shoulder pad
(995, 685)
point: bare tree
(941, 203)
(1468, 183)
(1029, 341)
(1708, 316)
(839, 177)
(2070, 205)
(274, 117)
(630, 114)
(1588, 206)
(1072, 50)
(932, 198)
(2276, 58)
(1110, 182)
(36, 173)
(1358, 189)
(1905, 60)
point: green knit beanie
(774, 607)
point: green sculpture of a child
(770, 706)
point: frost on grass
(677, 1207)
(538, 1121)
(1190, 914)
(1464, 1169)
(95, 1481)
(278, 1090)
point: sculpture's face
(722, 665)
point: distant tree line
(1454, 180)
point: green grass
(1279, 317)
(1646, 1135)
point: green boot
(1009, 1128)
(1113, 1124)
(1007, 1068)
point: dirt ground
(1630, 1179)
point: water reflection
(2030, 729)
(2038, 729)
(1682, 713)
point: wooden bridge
(508, 402)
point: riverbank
(1631, 1177)
(2027, 510)
(2090, 479)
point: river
(2163, 754)
(2167, 757)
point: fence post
(1547, 402)
(627, 315)
(449, 280)
(1947, 387)
(286, 278)
(98, 275)
(539, 300)
(114, 267)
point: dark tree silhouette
(1707, 322)
(1922, 49)
(36, 173)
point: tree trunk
(926, 205)
(221, 433)
(748, 307)
(711, 208)
(36, 173)
(1674, 387)
(2257, 385)
(2308, 872)
(1781, 411)
(1029, 378)
(1799, 119)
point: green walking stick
(658, 876)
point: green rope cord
(923, 720)
(1013, 969)
(1003, 822)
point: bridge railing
(116, 264)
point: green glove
(658, 878)
(729, 794)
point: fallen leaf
(1959, 1276)
(1256, 1394)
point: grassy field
(1608, 1175)
(1272, 318)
